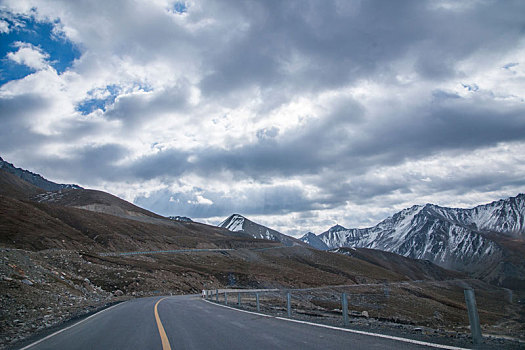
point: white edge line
(65, 329)
(406, 340)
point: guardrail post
(387, 291)
(225, 299)
(509, 294)
(257, 301)
(216, 295)
(239, 299)
(473, 317)
(344, 302)
(289, 304)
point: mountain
(13, 186)
(414, 269)
(467, 240)
(100, 202)
(22, 184)
(312, 239)
(33, 178)
(238, 223)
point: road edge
(378, 335)
(71, 326)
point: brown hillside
(13, 186)
(22, 225)
(97, 201)
(410, 268)
(37, 226)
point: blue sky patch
(510, 65)
(90, 105)
(61, 51)
(180, 7)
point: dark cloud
(256, 200)
(338, 143)
(138, 108)
(18, 114)
(87, 165)
(22, 106)
(170, 163)
(451, 124)
(336, 46)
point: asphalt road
(191, 323)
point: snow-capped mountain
(312, 239)
(461, 239)
(35, 179)
(238, 223)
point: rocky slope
(414, 269)
(13, 186)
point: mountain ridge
(35, 179)
(453, 238)
(239, 223)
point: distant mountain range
(35, 179)
(472, 240)
(91, 222)
(487, 241)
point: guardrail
(164, 251)
(444, 305)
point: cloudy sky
(297, 114)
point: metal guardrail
(295, 303)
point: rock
(28, 282)
(365, 314)
(118, 293)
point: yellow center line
(163, 336)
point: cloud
(4, 27)
(17, 117)
(298, 113)
(29, 55)
(250, 200)
(146, 106)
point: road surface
(187, 322)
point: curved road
(187, 322)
